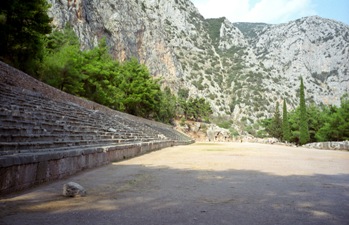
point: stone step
(79, 149)
(24, 137)
(7, 148)
(31, 118)
(24, 114)
(31, 122)
(9, 131)
(30, 146)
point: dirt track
(236, 183)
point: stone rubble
(73, 189)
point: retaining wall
(46, 134)
(25, 170)
(344, 145)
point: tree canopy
(275, 127)
(94, 75)
(195, 108)
(23, 26)
(286, 132)
(125, 86)
(336, 123)
(303, 117)
(322, 123)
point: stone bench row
(16, 140)
(58, 112)
(32, 119)
(37, 141)
(25, 114)
(43, 106)
(43, 119)
(67, 136)
(46, 134)
(7, 148)
(31, 122)
(47, 126)
(36, 134)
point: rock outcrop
(242, 69)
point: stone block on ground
(73, 189)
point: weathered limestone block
(196, 127)
(73, 189)
(329, 145)
(112, 130)
(210, 134)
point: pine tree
(23, 26)
(303, 120)
(336, 125)
(61, 62)
(275, 128)
(286, 131)
(141, 93)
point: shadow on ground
(141, 194)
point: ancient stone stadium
(46, 134)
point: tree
(103, 76)
(303, 119)
(336, 126)
(167, 108)
(343, 114)
(293, 118)
(141, 93)
(62, 62)
(183, 93)
(286, 131)
(23, 26)
(195, 108)
(275, 127)
(317, 117)
(96, 76)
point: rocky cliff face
(243, 69)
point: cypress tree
(285, 124)
(275, 128)
(303, 120)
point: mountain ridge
(241, 69)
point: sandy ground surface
(203, 183)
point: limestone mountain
(242, 69)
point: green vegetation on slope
(213, 27)
(23, 26)
(322, 123)
(250, 30)
(57, 60)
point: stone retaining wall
(21, 171)
(329, 145)
(46, 134)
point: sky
(273, 11)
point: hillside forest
(29, 43)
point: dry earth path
(203, 183)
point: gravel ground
(203, 183)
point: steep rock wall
(242, 69)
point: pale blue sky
(273, 11)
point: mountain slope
(242, 69)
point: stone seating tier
(35, 122)
(43, 129)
